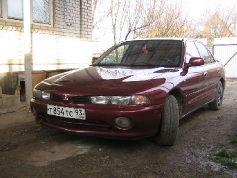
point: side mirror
(194, 61)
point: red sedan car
(136, 89)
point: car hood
(107, 80)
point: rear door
(210, 69)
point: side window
(191, 51)
(204, 53)
(211, 56)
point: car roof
(160, 38)
(167, 38)
(164, 38)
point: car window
(191, 51)
(204, 53)
(144, 53)
(211, 56)
(115, 56)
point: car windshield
(162, 53)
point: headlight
(41, 94)
(120, 100)
(100, 99)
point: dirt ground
(28, 150)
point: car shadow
(105, 142)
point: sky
(197, 8)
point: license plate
(76, 113)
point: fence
(225, 51)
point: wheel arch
(178, 95)
(223, 82)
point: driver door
(194, 82)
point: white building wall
(50, 52)
(63, 44)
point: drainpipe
(81, 19)
(28, 51)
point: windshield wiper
(126, 65)
(105, 65)
(144, 64)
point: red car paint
(194, 84)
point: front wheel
(169, 122)
(216, 104)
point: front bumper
(100, 120)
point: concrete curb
(12, 109)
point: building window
(15, 9)
(0, 8)
(41, 10)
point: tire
(169, 123)
(216, 104)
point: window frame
(208, 59)
(1, 7)
(194, 47)
(4, 15)
(143, 53)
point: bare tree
(94, 7)
(96, 17)
(137, 16)
(130, 16)
(143, 18)
(114, 14)
(169, 21)
(100, 13)
(221, 22)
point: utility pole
(28, 51)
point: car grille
(56, 97)
(90, 125)
(81, 99)
(75, 99)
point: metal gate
(225, 51)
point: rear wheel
(216, 104)
(169, 122)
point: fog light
(123, 122)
